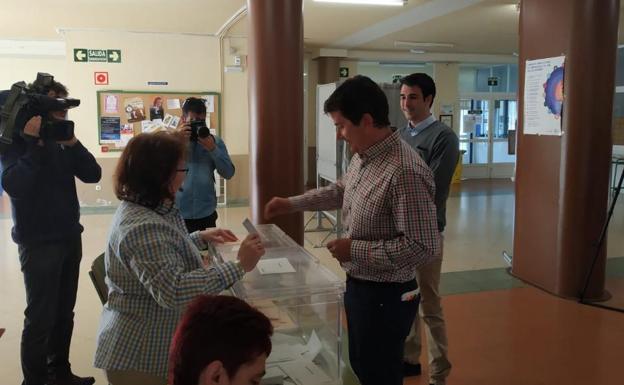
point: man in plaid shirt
(390, 225)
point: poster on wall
(135, 110)
(110, 129)
(543, 96)
(156, 110)
(127, 133)
(111, 104)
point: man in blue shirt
(197, 199)
(39, 176)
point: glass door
(485, 124)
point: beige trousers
(428, 278)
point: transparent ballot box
(303, 300)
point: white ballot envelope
(251, 229)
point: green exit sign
(84, 55)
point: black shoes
(72, 379)
(410, 370)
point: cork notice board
(124, 114)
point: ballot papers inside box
(303, 300)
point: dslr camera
(199, 130)
(23, 102)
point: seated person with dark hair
(154, 268)
(220, 340)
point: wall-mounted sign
(493, 81)
(344, 72)
(84, 55)
(543, 96)
(157, 83)
(100, 78)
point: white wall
(235, 98)
(15, 69)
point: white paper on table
(173, 104)
(304, 372)
(273, 375)
(284, 352)
(275, 266)
(313, 347)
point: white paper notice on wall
(446, 109)
(543, 96)
(173, 104)
(210, 107)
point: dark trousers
(51, 272)
(378, 322)
(199, 224)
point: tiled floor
(517, 336)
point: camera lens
(203, 132)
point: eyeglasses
(182, 170)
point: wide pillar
(276, 107)
(562, 182)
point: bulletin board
(124, 114)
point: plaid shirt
(153, 270)
(387, 210)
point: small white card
(251, 229)
(275, 266)
(313, 347)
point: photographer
(39, 176)
(197, 198)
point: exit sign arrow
(114, 56)
(80, 54)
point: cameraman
(39, 177)
(197, 199)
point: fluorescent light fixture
(398, 3)
(409, 44)
(17, 47)
(417, 50)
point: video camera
(23, 102)
(199, 130)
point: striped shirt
(387, 210)
(153, 270)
